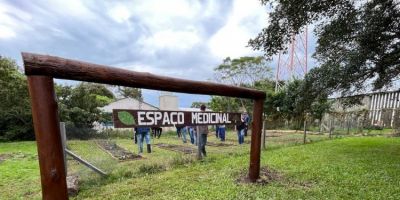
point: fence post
(330, 128)
(305, 131)
(255, 149)
(64, 144)
(199, 157)
(48, 137)
(264, 134)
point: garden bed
(174, 147)
(116, 151)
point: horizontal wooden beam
(36, 64)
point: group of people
(195, 139)
(143, 133)
(182, 131)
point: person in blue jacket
(143, 133)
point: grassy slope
(351, 168)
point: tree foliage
(79, 105)
(298, 97)
(197, 104)
(358, 41)
(297, 100)
(224, 104)
(242, 71)
(128, 92)
(15, 112)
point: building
(168, 101)
(380, 108)
(128, 103)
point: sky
(177, 38)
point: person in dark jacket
(202, 131)
(246, 119)
(240, 130)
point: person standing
(240, 130)
(221, 131)
(192, 134)
(183, 133)
(178, 131)
(143, 133)
(217, 131)
(202, 131)
(135, 133)
(246, 119)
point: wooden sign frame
(41, 69)
(125, 118)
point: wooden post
(264, 134)
(305, 131)
(48, 138)
(255, 149)
(199, 157)
(330, 128)
(64, 144)
(347, 125)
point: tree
(128, 92)
(80, 105)
(224, 104)
(15, 112)
(197, 104)
(243, 70)
(358, 41)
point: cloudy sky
(178, 38)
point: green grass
(19, 173)
(347, 168)
(365, 132)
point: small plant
(181, 160)
(151, 168)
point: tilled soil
(236, 141)
(116, 151)
(174, 147)
(213, 144)
(267, 175)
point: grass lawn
(19, 171)
(347, 168)
(365, 132)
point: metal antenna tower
(293, 63)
